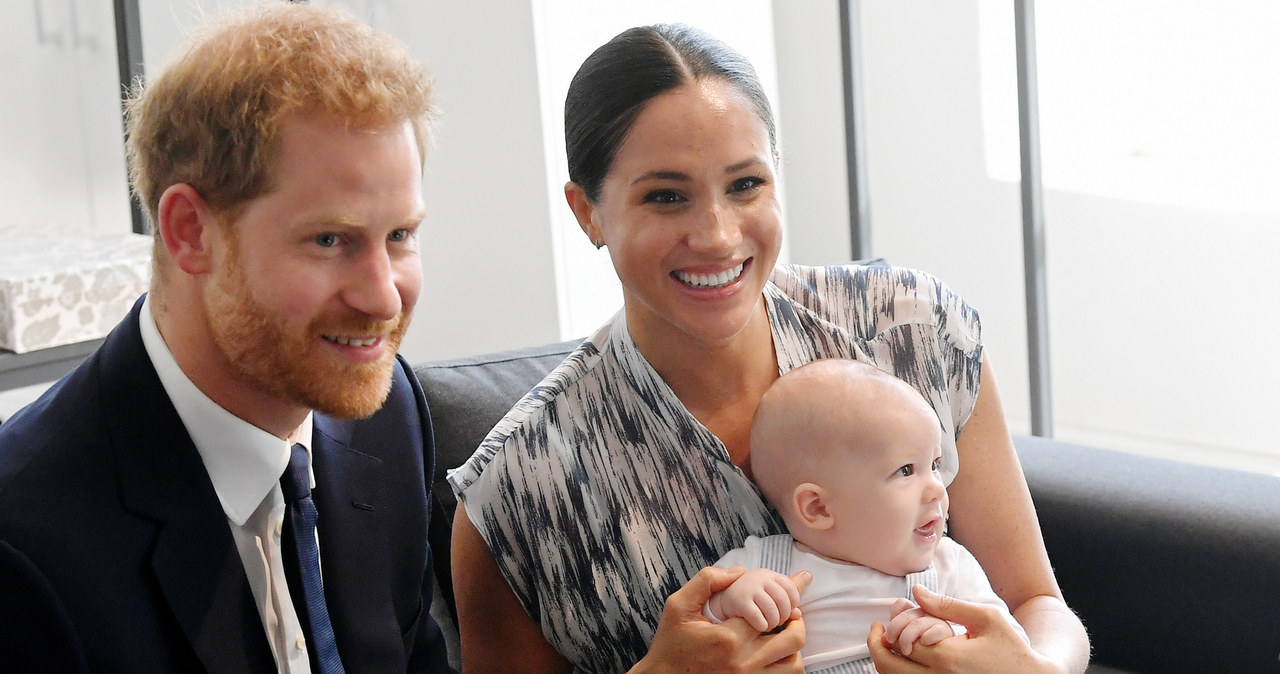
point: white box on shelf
(69, 287)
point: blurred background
(1160, 154)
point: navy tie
(302, 565)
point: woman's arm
(498, 635)
(993, 516)
(495, 630)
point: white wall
(811, 130)
(1162, 319)
(488, 267)
(61, 159)
(1162, 332)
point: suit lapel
(369, 491)
(203, 579)
(348, 496)
(162, 478)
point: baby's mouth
(929, 529)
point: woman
(592, 508)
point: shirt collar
(243, 461)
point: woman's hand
(991, 646)
(686, 641)
(910, 625)
(762, 597)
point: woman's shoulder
(537, 418)
(873, 297)
(838, 282)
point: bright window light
(1164, 101)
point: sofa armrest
(1173, 567)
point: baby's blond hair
(803, 421)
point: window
(1161, 167)
(1147, 101)
(62, 169)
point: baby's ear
(810, 503)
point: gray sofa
(1172, 567)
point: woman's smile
(710, 280)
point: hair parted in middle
(615, 82)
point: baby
(849, 455)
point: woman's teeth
(722, 279)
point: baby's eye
(663, 197)
(937, 465)
(906, 471)
(327, 240)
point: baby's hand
(912, 625)
(764, 598)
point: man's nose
(373, 289)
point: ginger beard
(260, 347)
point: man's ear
(584, 211)
(810, 503)
(185, 222)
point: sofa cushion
(1173, 567)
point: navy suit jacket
(116, 555)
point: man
(144, 521)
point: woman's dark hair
(614, 83)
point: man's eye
(327, 240)
(663, 197)
(906, 471)
(398, 235)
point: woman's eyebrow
(678, 175)
(744, 164)
(661, 175)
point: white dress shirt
(244, 463)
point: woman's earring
(599, 244)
